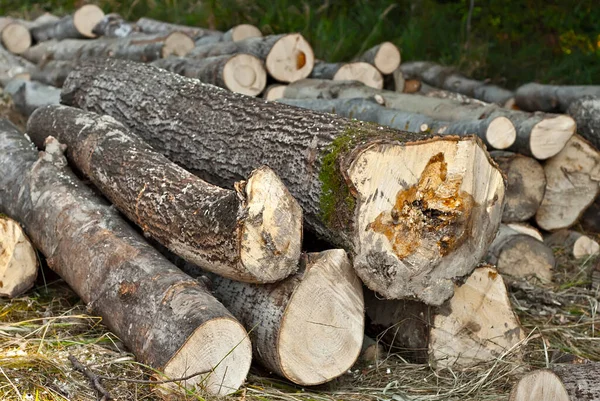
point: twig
(93, 378)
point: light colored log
(552, 98)
(573, 182)
(477, 324)
(13, 66)
(526, 229)
(114, 26)
(152, 26)
(385, 57)
(274, 92)
(577, 244)
(357, 71)
(30, 95)
(78, 25)
(14, 36)
(53, 72)
(18, 259)
(241, 32)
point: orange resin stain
(300, 60)
(434, 208)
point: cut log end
(584, 246)
(245, 31)
(387, 58)
(16, 38)
(549, 136)
(440, 213)
(477, 325)
(244, 73)
(540, 385)
(274, 92)
(271, 234)
(220, 347)
(527, 230)
(18, 260)
(328, 307)
(501, 133)
(291, 58)
(86, 18)
(177, 44)
(527, 257)
(362, 72)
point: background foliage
(509, 42)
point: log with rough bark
(53, 72)
(447, 78)
(114, 26)
(251, 234)
(578, 245)
(571, 382)
(241, 73)
(426, 214)
(366, 109)
(385, 57)
(525, 187)
(287, 57)
(78, 25)
(273, 92)
(12, 66)
(552, 98)
(308, 328)
(18, 260)
(14, 36)
(169, 320)
(573, 182)
(539, 135)
(357, 71)
(477, 324)
(586, 112)
(521, 255)
(30, 95)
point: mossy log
(425, 215)
(538, 135)
(552, 98)
(447, 78)
(78, 25)
(358, 71)
(167, 319)
(385, 57)
(251, 234)
(18, 260)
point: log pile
(398, 182)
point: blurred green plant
(509, 42)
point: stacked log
(552, 98)
(166, 318)
(324, 161)
(385, 57)
(357, 71)
(78, 25)
(30, 95)
(14, 36)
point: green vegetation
(509, 42)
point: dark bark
(200, 222)
(222, 136)
(586, 112)
(154, 308)
(552, 98)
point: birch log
(78, 25)
(537, 135)
(14, 36)
(287, 57)
(169, 320)
(525, 187)
(240, 73)
(148, 25)
(358, 71)
(252, 234)
(586, 112)
(114, 26)
(385, 57)
(18, 260)
(559, 383)
(408, 235)
(552, 98)
(308, 328)
(447, 78)
(573, 179)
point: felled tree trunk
(421, 220)
(559, 383)
(240, 73)
(525, 187)
(251, 234)
(537, 135)
(585, 111)
(577, 244)
(521, 255)
(369, 110)
(53, 72)
(18, 260)
(114, 26)
(148, 25)
(385, 57)
(287, 57)
(14, 36)
(30, 95)
(78, 25)
(357, 71)
(573, 179)
(552, 98)
(447, 78)
(12, 67)
(308, 328)
(169, 320)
